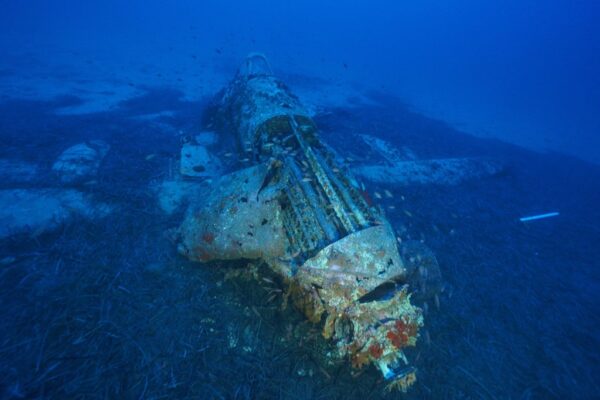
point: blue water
(105, 308)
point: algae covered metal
(311, 222)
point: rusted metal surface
(312, 223)
(230, 222)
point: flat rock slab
(196, 161)
(448, 171)
(36, 211)
(80, 161)
(387, 151)
(17, 172)
(173, 194)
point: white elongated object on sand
(539, 216)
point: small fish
(228, 154)
(306, 180)
(37, 232)
(327, 376)
(336, 170)
(418, 357)
(388, 194)
(8, 260)
(270, 299)
(244, 160)
(285, 139)
(150, 157)
(271, 173)
(123, 288)
(392, 207)
(377, 195)
(408, 213)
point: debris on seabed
(539, 216)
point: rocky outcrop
(447, 171)
(81, 161)
(37, 211)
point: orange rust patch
(408, 328)
(367, 198)
(397, 339)
(400, 335)
(208, 237)
(360, 360)
(375, 351)
(200, 254)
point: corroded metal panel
(309, 220)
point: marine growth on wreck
(312, 223)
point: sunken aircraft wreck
(312, 223)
